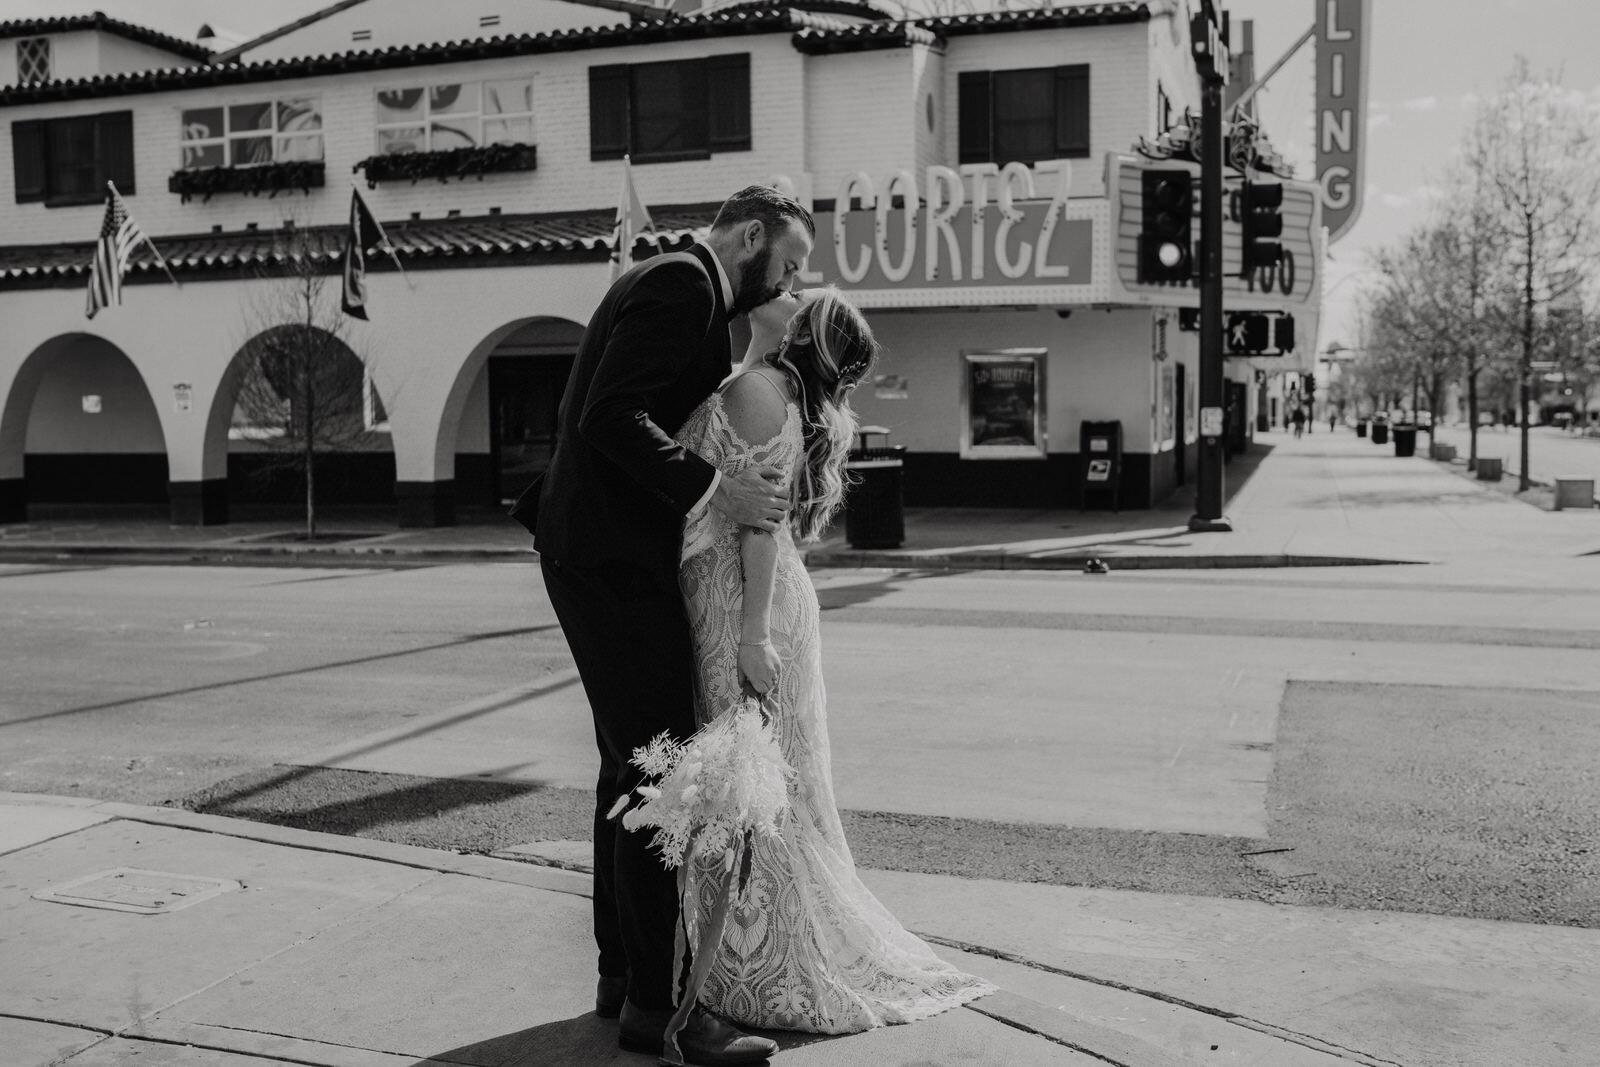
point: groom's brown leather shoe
(609, 993)
(706, 1041)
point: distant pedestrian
(1299, 419)
(1333, 421)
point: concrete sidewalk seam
(467, 865)
(1146, 1052)
(1111, 1046)
(296, 1050)
(1366, 1059)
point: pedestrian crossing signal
(1249, 333)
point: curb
(468, 865)
(352, 555)
(389, 555)
(955, 561)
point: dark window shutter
(74, 168)
(30, 165)
(669, 111)
(728, 84)
(1072, 110)
(608, 112)
(975, 139)
(114, 132)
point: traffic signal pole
(1209, 490)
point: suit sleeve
(654, 340)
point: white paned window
(437, 118)
(33, 60)
(240, 135)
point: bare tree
(302, 391)
(1539, 159)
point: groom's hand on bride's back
(751, 498)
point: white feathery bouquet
(727, 781)
(713, 794)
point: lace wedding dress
(808, 947)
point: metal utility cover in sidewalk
(138, 891)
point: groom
(608, 532)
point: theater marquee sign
(983, 235)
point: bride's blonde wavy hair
(826, 352)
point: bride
(808, 947)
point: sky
(1428, 61)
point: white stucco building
(973, 178)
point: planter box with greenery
(269, 178)
(459, 163)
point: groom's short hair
(763, 204)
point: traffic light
(1166, 243)
(1311, 386)
(1261, 219)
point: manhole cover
(141, 892)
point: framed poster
(1191, 428)
(1167, 409)
(1002, 404)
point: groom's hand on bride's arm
(750, 498)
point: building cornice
(731, 24)
(39, 27)
(420, 244)
(813, 34)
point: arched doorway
(527, 374)
(508, 420)
(289, 386)
(80, 418)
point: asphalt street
(1396, 737)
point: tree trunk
(310, 457)
(1472, 417)
(1523, 481)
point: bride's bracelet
(764, 643)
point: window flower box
(269, 178)
(459, 163)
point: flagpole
(152, 245)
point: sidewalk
(1321, 500)
(239, 944)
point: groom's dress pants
(630, 637)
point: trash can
(874, 502)
(1380, 432)
(1361, 428)
(1405, 439)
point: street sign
(1342, 29)
(1210, 422)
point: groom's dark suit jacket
(619, 486)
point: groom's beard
(752, 290)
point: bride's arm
(756, 408)
(758, 662)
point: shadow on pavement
(584, 1041)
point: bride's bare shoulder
(757, 403)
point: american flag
(118, 234)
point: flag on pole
(633, 218)
(119, 234)
(364, 233)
